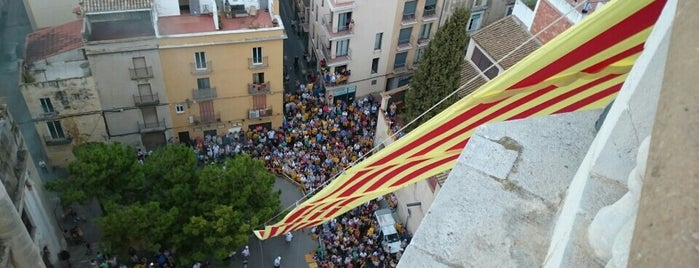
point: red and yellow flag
(583, 68)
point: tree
(439, 72)
(201, 212)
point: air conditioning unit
(254, 114)
(191, 119)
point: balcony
(144, 100)
(335, 33)
(341, 5)
(48, 114)
(141, 73)
(204, 94)
(201, 71)
(423, 41)
(156, 126)
(206, 118)
(398, 69)
(259, 88)
(430, 14)
(404, 45)
(408, 19)
(254, 64)
(51, 141)
(260, 113)
(337, 60)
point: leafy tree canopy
(169, 202)
(439, 72)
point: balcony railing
(207, 118)
(400, 68)
(141, 100)
(429, 14)
(406, 44)
(259, 113)
(258, 63)
(340, 5)
(48, 114)
(156, 126)
(408, 19)
(51, 141)
(141, 73)
(336, 60)
(259, 88)
(198, 70)
(423, 41)
(339, 32)
(204, 93)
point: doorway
(184, 138)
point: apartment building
(28, 230)
(223, 71)
(483, 12)
(59, 90)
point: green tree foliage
(169, 202)
(438, 74)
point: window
(46, 105)
(259, 101)
(409, 10)
(509, 10)
(206, 111)
(257, 55)
(418, 55)
(430, 7)
(179, 108)
(55, 130)
(375, 65)
(373, 82)
(404, 36)
(475, 22)
(377, 41)
(400, 60)
(140, 68)
(425, 30)
(322, 3)
(258, 78)
(404, 80)
(343, 21)
(342, 48)
(203, 83)
(477, 3)
(317, 12)
(144, 90)
(200, 60)
(483, 63)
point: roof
(468, 72)
(51, 41)
(503, 36)
(90, 6)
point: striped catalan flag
(582, 68)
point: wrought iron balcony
(429, 14)
(52, 141)
(260, 113)
(199, 70)
(143, 100)
(204, 94)
(156, 126)
(408, 19)
(207, 118)
(260, 88)
(141, 73)
(405, 44)
(258, 63)
(336, 32)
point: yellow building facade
(225, 80)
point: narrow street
(294, 46)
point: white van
(387, 230)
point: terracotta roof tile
(503, 36)
(90, 6)
(468, 72)
(53, 40)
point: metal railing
(258, 63)
(259, 113)
(198, 70)
(151, 99)
(204, 93)
(141, 73)
(259, 88)
(152, 126)
(408, 19)
(51, 141)
(429, 13)
(208, 118)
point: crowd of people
(318, 138)
(353, 240)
